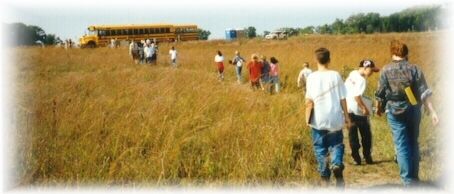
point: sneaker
(369, 160)
(356, 158)
(337, 171)
(325, 181)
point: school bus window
(167, 30)
(118, 32)
(129, 32)
(102, 33)
(135, 32)
(107, 32)
(146, 31)
(141, 31)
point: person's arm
(300, 77)
(309, 110)
(343, 102)
(425, 95)
(380, 94)
(362, 106)
(433, 113)
(348, 122)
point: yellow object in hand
(410, 96)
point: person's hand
(378, 111)
(348, 122)
(435, 119)
(365, 111)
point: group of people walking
(143, 52)
(146, 52)
(332, 104)
(263, 74)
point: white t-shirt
(218, 59)
(148, 51)
(173, 54)
(356, 86)
(326, 89)
(304, 73)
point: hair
(398, 48)
(219, 53)
(306, 64)
(254, 57)
(173, 48)
(263, 57)
(273, 60)
(322, 55)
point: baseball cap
(369, 63)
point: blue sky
(71, 18)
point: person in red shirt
(255, 70)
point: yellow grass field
(93, 117)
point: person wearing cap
(402, 90)
(359, 109)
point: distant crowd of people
(263, 75)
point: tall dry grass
(92, 116)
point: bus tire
(91, 44)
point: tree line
(417, 19)
(19, 34)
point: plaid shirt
(394, 78)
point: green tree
(204, 34)
(338, 27)
(266, 32)
(307, 30)
(51, 39)
(324, 29)
(251, 32)
(19, 34)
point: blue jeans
(325, 142)
(405, 129)
(274, 80)
(238, 72)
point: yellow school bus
(101, 35)
(186, 32)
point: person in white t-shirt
(326, 114)
(219, 60)
(304, 73)
(148, 50)
(359, 108)
(173, 56)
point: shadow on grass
(383, 161)
(426, 185)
